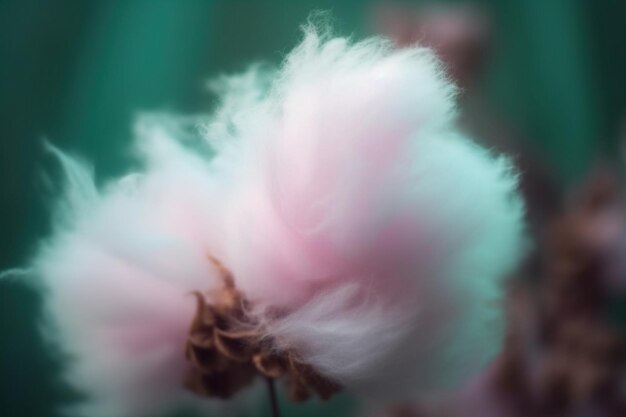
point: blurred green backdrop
(76, 73)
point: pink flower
(340, 194)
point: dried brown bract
(227, 351)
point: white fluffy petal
(341, 192)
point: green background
(76, 73)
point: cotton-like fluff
(354, 202)
(340, 193)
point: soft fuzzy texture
(340, 191)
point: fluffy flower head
(367, 233)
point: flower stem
(273, 398)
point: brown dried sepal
(225, 351)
